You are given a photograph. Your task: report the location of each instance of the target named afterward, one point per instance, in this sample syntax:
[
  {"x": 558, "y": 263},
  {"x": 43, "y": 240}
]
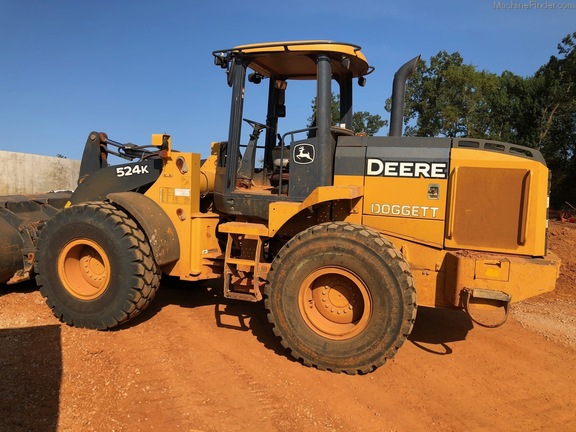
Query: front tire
[
  {"x": 341, "y": 298},
  {"x": 95, "y": 267}
]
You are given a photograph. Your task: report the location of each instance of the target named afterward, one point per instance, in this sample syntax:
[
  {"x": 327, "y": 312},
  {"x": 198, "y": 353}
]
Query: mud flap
[{"x": 493, "y": 296}]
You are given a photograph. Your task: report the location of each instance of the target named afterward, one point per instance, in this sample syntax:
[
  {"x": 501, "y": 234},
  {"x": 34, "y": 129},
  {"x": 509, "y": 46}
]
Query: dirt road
[{"x": 197, "y": 362}]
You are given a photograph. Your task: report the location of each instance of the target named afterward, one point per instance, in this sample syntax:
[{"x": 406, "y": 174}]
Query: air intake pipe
[{"x": 398, "y": 93}]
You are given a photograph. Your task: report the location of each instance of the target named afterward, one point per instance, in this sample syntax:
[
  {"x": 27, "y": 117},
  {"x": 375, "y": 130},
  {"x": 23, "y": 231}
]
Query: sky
[{"x": 131, "y": 68}]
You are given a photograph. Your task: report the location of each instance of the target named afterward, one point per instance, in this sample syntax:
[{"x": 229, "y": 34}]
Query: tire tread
[
  {"x": 145, "y": 272},
  {"x": 401, "y": 271}
]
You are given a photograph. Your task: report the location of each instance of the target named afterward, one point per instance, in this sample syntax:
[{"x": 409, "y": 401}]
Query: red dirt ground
[{"x": 195, "y": 361}]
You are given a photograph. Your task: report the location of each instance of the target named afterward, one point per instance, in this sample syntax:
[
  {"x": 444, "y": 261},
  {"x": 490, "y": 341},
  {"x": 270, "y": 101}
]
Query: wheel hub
[
  {"x": 84, "y": 269},
  {"x": 336, "y": 299},
  {"x": 92, "y": 265},
  {"x": 335, "y": 303}
]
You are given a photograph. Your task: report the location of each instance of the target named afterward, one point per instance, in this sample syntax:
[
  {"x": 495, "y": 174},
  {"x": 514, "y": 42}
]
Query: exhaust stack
[{"x": 398, "y": 93}]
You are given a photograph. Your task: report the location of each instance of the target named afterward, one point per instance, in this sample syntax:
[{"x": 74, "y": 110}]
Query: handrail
[
  {"x": 452, "y": 192},
  {"x": 523, "y": 228}
]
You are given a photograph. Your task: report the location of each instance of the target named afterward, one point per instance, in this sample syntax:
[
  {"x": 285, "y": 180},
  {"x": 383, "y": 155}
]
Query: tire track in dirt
[{"x": 191, "y": 381}]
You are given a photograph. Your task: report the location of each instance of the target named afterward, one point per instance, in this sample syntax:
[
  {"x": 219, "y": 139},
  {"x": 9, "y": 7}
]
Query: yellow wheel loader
[{"x": 341, "y": 235}]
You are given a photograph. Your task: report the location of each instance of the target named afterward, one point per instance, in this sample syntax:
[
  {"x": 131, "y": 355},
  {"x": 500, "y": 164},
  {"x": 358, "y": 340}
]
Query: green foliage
[
  {"x": 362, "y": 121},
  {"x": 335, "y": 111},
  {"x": 556, "y": 119},
  {"x": 453, "y": 99}
]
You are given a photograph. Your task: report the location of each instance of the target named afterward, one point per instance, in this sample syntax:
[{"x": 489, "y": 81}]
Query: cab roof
[{"x": 297, "y": 59}]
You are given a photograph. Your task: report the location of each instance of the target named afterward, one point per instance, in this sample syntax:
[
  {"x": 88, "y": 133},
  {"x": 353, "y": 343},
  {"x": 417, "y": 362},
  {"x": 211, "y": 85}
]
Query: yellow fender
[
  {"x": 281, "y": 211},
  {"x": 155, "y": 223}
]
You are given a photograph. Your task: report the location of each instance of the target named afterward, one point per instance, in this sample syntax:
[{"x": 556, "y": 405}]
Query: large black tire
[
  {"x": 95, "y": 267},
  {"x": 341, "y": 298}
]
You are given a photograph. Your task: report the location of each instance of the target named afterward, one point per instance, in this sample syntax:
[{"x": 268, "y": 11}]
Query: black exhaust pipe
[{"x": 398, "y": 93}]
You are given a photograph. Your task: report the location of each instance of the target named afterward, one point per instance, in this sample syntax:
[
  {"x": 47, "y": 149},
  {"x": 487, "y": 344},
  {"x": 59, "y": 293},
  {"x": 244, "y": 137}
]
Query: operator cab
[{"x": 293, "y": 162}]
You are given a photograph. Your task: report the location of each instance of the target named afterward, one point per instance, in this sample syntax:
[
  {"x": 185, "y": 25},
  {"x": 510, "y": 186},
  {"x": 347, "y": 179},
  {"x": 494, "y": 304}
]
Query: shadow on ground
[
  {"x": 30, "y": 378},
  {"x": 434, "y": 329}
]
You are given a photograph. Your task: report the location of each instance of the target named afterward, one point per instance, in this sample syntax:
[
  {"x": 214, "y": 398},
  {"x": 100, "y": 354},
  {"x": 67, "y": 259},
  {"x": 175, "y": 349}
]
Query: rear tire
[
  {"x": 95, "y": 267},
  {"x": 341, "y": 298}
]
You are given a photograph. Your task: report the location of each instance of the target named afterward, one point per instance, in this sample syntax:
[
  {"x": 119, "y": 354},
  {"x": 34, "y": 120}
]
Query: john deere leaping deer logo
[{"x": 303, "y": 154}]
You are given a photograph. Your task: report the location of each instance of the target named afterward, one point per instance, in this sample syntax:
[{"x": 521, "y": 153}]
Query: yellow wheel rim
[
  {"x": 335, "y": 303},
  {"x": 84, "y": 269}
]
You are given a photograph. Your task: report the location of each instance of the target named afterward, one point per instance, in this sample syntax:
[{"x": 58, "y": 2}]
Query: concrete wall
[{"x": 22, "y": 173}]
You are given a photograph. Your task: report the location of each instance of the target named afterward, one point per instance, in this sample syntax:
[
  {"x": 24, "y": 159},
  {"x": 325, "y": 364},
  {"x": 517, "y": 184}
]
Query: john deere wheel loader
[{"x": 341, "y": 235}]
